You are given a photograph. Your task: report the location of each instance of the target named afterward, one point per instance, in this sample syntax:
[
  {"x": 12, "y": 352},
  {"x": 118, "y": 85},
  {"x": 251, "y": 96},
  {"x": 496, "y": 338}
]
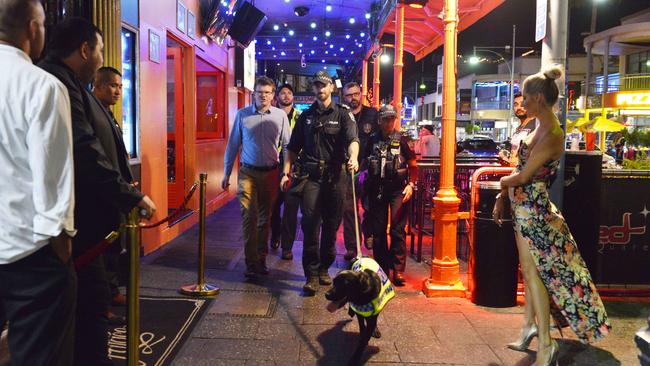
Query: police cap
[
  {"x": 322, "y": 77},
  {"x": 387, "y": 111}
]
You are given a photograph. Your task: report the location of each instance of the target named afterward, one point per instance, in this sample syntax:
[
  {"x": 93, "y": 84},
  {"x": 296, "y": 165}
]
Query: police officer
[
  {"x": 392, "y": 172},
  {"x": 284, "y": 222},
  {"x": 366, "y": 118},
  {"x": 322, "y": 136}
]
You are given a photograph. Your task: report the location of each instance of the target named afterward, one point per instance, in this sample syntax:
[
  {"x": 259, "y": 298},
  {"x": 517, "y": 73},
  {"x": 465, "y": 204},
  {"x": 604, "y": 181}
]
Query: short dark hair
[
  {"x": 265, "y": 81},
  {"x": 105, "y": 73},
  {"x": 14, "y": 16},
  {"x": 286, "y": 86},
  {"x": 351, "y": 84},
  {"x": 70, "y": 34},
  {"x": 517, "y": 95}
]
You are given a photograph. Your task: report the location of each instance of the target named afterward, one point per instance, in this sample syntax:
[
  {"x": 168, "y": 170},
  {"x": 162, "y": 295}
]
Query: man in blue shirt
[{"x": 258, "y": 129}]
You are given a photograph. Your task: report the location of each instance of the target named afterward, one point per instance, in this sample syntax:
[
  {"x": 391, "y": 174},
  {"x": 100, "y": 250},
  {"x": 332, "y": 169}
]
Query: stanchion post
[
  {"x": 201, "y": 288},
  {"x": 133, "y": 289}
]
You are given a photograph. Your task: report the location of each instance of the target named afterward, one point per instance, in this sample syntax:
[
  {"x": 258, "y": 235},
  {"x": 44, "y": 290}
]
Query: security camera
[{"x": 301, "y": 11}]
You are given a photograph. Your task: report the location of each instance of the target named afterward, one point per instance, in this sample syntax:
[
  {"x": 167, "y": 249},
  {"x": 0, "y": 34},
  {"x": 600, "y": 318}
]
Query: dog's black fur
[{"x": 358, "y": 288}]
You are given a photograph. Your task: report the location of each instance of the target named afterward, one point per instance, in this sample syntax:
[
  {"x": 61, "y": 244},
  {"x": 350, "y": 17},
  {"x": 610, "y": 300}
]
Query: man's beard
[
  {"x": 354, "y": 104},
  {"x": 322, "y": 96},
  {"x": 284, "y": 104},
  {"x": 521, "y": 116}
]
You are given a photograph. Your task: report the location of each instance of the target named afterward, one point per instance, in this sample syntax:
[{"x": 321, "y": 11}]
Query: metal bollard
[
  {"x": 201, "y": 288},
  {"x": 133, "y": 289}
]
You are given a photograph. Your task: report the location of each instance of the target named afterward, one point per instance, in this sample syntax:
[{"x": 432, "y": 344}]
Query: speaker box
[
  {"x": 248, "y": 21},
  {"x": 581, "y": 206}
]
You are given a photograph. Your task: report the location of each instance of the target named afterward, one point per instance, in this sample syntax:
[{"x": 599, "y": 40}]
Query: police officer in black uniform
[
  {"x": 366, "y": 118},
  {"x": 392, "y": 172},
  {"x": 322, "y": 136}
]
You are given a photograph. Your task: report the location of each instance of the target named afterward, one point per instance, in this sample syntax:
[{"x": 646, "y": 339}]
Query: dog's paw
[{"x": 376, "y": 333}]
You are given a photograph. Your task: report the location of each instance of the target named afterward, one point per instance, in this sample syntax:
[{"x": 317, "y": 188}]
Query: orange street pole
[
  {"x": 398, "y": 64},
  {"x": 445, "y": 276},
  {"x": 377, "y": 83},
  {"x": 364, "y": 82}
]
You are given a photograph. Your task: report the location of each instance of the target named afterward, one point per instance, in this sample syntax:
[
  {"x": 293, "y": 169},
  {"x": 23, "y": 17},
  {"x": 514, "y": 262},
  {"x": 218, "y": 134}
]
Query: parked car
[{"x": 477, "y": 146}]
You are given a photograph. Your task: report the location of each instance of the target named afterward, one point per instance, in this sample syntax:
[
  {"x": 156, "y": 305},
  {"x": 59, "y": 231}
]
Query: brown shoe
[
  {"x": 311, "y": 286},
  {"x": 115, "y": 319},
  {"x": 324, "y": 279},
  {"x": 287, "y": 255},
  {"x": 119, "y": 300}
]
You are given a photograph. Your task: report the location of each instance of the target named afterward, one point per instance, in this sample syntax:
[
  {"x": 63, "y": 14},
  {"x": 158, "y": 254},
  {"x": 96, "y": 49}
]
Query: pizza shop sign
[{"x": 627, "y": 99}]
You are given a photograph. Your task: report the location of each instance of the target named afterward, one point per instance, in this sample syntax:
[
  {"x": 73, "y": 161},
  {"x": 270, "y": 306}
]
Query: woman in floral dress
[{"x": 554, "y": 272}]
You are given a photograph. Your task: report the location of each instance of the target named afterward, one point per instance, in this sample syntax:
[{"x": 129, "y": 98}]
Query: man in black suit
[
  {"x": 107, "y": 87},
  {"x": 102, "y": 193}
]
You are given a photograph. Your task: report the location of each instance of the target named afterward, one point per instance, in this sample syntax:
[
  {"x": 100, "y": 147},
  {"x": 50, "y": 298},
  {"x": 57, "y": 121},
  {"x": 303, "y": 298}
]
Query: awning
[{"x": 424, "y": 28}]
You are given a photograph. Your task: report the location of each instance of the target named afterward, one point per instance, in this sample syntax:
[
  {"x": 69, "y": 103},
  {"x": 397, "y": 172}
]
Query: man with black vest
[
  {"x": 366, "y": 118},
  {"x": 325, "y": 136}
]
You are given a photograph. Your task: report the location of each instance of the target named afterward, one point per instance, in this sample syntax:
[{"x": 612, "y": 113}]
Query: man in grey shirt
[{"x": 258, "y": 129}]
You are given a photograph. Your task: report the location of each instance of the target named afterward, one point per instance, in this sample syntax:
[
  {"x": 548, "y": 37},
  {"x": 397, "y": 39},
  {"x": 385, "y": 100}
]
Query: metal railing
[
  {"x": 620, "y": 83},
  {"x": 501, "y": 105}
]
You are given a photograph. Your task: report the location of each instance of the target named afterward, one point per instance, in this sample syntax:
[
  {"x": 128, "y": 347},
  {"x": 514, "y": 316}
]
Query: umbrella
[
  {"x": 598, "y": 124},
  {"x": 602, "y": 124},
  {"x": 577, "y": 123}
]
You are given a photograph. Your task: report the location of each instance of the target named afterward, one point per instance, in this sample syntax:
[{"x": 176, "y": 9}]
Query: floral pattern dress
[{"x": 573, "y": 295}]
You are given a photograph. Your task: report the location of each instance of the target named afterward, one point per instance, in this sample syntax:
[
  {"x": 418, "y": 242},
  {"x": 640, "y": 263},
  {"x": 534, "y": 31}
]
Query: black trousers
[
  {"x": 37, "y": 297},
  {"x": 322, "y": 208},
  {"x": 285, "y": 223},
  {"x": 376, "y": 222},
  {"x": 348, "y": 213}
]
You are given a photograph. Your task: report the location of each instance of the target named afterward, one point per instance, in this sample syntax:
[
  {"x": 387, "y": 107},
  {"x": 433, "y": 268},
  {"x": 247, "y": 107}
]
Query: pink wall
[{"x": 160, "y": 17}]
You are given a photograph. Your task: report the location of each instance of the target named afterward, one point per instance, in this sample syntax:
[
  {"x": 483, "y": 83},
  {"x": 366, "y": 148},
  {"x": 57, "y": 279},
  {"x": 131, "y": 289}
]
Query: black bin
[{"x": 494, "y": 268}]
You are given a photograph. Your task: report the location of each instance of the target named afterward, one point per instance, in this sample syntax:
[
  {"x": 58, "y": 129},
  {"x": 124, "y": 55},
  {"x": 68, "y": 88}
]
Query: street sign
[{"x": 540, "y": 20}]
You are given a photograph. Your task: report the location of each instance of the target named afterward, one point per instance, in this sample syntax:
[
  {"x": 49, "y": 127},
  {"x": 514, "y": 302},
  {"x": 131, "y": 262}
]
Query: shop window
[
  {"x": 210, "y": 102},
  {"x": 129, "y": 92}
]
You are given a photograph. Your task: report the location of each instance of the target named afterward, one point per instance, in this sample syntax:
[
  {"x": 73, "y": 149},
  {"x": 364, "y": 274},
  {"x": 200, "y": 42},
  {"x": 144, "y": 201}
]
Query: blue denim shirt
[{"x": 259, "y": 135}]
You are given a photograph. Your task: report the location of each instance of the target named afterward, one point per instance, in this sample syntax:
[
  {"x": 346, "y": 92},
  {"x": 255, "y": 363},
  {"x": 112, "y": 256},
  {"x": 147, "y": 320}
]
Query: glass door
[{"x": 175, "y": 126}]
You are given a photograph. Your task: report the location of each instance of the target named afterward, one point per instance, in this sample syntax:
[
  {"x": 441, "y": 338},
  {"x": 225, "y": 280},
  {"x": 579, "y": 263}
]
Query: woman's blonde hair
[{"x": 544, "y": 82}]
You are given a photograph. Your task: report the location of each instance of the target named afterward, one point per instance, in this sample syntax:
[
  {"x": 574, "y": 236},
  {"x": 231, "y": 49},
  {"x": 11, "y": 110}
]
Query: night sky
[{"x": 495, "y": 29}]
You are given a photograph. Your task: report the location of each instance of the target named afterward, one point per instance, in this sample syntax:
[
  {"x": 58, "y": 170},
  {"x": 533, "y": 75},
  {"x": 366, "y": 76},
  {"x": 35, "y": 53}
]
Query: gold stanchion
[
  {"x": 201, "y": 288},
  {"x": 133, "y": 289}
]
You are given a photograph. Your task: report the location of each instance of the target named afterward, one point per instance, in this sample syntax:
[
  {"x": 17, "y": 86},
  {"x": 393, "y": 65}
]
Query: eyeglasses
[
  {"x": 258, "y": 92},
  {"x": 352, "y": 95}
]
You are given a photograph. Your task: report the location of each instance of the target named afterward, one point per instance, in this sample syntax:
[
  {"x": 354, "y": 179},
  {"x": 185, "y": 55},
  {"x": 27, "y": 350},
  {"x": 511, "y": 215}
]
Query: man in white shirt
[{"x": 38, "y": 285}]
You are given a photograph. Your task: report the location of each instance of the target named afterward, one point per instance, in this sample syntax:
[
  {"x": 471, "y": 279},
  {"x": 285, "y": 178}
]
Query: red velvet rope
[{"x": 178, "y": 212}]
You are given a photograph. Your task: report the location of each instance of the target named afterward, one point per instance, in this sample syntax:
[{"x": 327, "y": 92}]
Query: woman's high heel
[
  {"x": 527, "y": 336},
  {"x": 553, "y": 358}
]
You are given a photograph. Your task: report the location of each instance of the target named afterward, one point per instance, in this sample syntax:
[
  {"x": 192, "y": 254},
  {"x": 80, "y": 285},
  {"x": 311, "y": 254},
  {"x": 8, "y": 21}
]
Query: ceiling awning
[{"x": 424, "y": 28}]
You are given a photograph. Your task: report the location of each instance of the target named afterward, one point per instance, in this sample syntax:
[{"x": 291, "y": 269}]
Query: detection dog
[{"x": 367, "y": 290}]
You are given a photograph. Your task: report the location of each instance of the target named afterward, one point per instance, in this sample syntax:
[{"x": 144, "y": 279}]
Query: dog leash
[{"x": 356, "y": 216}]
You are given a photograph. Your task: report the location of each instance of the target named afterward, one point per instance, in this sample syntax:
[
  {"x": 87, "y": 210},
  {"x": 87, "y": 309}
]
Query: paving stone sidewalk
[{"x": 269, "y": 322}]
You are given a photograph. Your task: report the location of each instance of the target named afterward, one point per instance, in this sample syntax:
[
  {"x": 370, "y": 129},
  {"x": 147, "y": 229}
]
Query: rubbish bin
[{"x": 494, "y": 268}]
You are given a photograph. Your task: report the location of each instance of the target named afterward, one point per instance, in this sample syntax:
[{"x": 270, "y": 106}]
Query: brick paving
[{"x": 269, "y": 322}]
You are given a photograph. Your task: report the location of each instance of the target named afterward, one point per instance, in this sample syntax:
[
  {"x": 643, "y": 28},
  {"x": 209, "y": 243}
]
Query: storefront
[
  {"x": 186, "y": 100},
  {"x": 632, "y": 107}
]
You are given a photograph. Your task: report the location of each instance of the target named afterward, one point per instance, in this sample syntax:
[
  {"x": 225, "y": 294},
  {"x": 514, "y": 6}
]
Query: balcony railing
[
  {"x": 620, "y": 83},
  {"x": 503, "y": 104},
  {"x": 616, "y": 83}
]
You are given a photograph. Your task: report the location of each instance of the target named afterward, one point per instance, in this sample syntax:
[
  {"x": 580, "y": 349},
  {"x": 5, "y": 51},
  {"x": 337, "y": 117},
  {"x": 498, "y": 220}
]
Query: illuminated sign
[{"x": 627, "y": 99}]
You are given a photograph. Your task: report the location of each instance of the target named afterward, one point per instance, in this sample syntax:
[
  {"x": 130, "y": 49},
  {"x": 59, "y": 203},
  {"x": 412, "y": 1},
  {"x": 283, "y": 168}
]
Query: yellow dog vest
[{"x": 386, "y": 293}]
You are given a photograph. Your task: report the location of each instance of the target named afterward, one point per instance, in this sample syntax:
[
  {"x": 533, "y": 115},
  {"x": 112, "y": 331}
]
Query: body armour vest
[{"x": 386, "y": 161}]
